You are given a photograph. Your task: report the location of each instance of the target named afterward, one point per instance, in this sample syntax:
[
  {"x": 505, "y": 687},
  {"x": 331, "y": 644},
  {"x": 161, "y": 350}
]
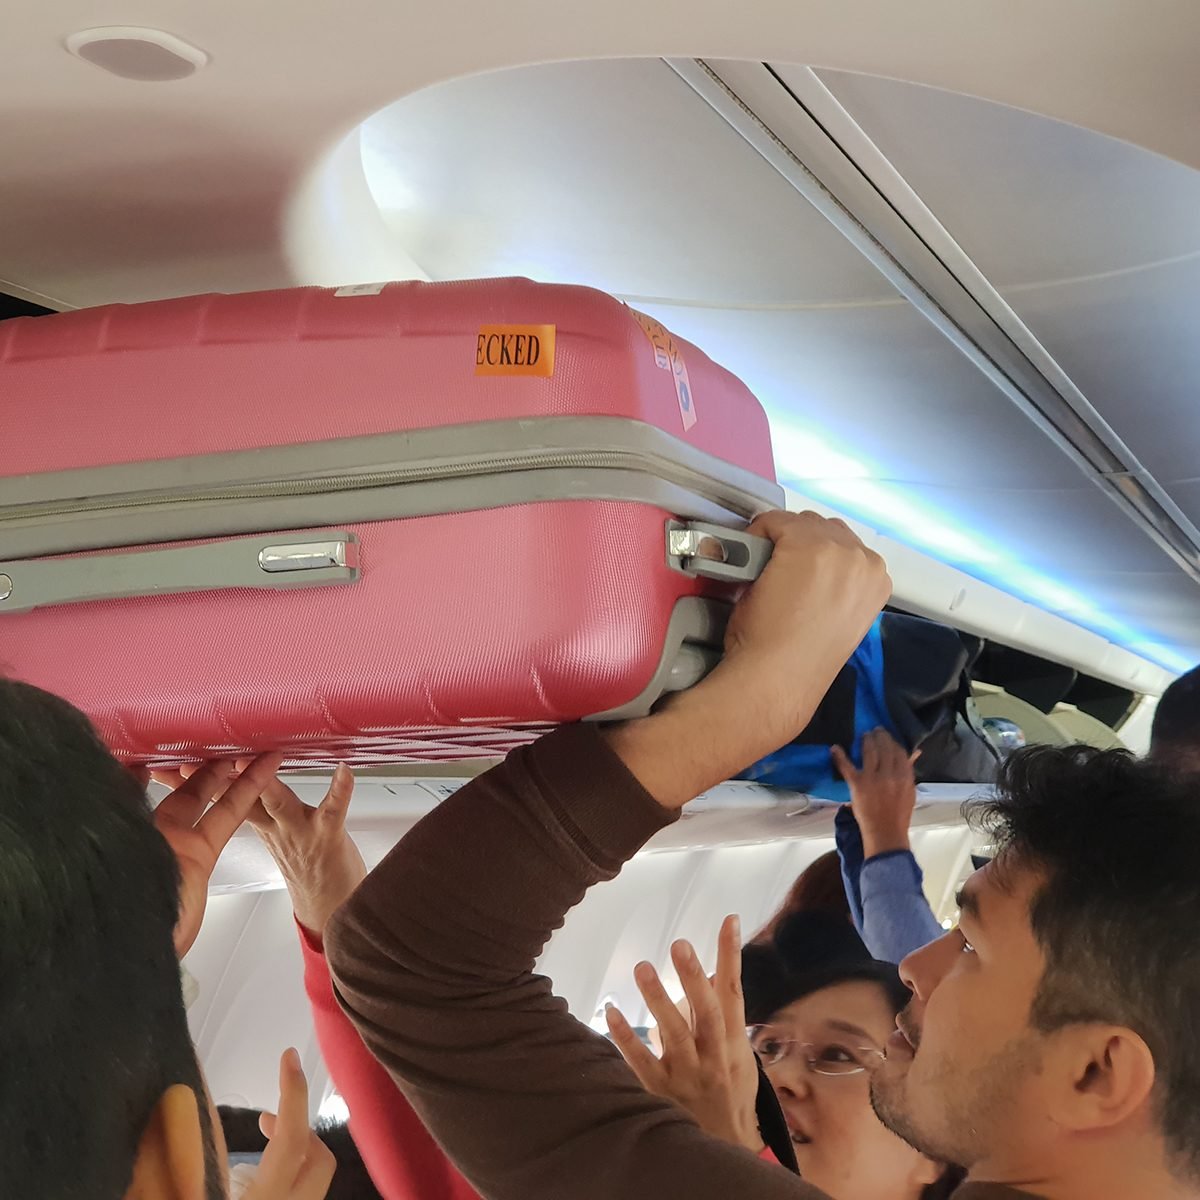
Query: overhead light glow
[
  {"x": 1052, "y": 596},
  {"x": 334, "y": 1108},
  {"x": 806, "y": 461},
  {"x": 887, "y": 508},
  {"x": 1172, "y": 660},
  {"x": 807, "y": 454}
]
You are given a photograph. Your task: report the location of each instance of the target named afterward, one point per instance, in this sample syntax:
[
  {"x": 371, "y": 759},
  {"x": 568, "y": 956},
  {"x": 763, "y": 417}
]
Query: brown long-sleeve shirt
[{"x": 433, "y": 959}]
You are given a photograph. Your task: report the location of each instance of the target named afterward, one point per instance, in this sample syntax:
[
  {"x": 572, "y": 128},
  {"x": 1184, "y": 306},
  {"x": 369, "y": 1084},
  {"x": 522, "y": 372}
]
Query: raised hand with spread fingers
[
  {"x": 707, "y": 1065},
  {"x": 207, "y": 806},
  {"x": 883, "y": 792},
  {"x": 318, "y": 859}
]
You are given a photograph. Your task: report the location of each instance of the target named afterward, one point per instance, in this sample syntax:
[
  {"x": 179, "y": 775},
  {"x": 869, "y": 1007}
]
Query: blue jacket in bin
[
  {"x": 911, "y": 677},
  {"x": 887, "y": 899},
  {"x": 854, "y": 705}
]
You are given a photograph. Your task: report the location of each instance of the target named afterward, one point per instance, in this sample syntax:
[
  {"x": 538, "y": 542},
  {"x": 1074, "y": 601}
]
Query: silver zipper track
[{"x": 478, "y": 467}]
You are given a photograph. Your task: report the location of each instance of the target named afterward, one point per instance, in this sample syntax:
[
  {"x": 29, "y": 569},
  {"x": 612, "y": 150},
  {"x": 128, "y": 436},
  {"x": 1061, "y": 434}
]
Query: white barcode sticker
[{"x": 361, "y": 289}]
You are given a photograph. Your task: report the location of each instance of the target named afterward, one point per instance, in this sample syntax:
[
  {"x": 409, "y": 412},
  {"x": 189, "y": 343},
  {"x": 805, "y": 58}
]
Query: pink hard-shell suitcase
[{"x": 383, "y": 524}]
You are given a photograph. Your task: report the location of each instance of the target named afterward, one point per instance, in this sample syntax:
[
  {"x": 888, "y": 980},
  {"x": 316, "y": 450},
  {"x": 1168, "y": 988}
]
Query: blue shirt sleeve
[
  {"x": 897, "y": 918},
  {"x": 887, "y": 902},
  {"x": 850, "y": 852}
]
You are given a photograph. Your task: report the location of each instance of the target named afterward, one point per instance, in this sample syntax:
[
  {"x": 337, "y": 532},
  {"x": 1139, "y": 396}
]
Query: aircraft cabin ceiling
[
  {"x": 874, "y": 409},
  {"x": 964, "y": 312}
]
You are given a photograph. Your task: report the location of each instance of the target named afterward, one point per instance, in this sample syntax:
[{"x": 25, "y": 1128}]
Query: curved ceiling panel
[
  {"x": 604, "y": 172},
  {"x": 1094, "y": 243},
  {"x": 1032, "y": 200},
  {"x": 877, "y": 415},
  {"x": 1130, "y": 342},
  {"x": 884, "y": 390}
]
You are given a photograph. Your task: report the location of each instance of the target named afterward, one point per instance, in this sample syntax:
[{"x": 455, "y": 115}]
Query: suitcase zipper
[{"x": 479, "y": 467}]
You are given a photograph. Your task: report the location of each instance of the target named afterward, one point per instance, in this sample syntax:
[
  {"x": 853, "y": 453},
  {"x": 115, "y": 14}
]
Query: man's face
[{"x": 961, "y": 1080}]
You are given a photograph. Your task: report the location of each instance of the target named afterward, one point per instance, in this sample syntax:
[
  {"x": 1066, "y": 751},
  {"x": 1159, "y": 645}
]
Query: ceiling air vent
[{"x": 147, "y": 55}]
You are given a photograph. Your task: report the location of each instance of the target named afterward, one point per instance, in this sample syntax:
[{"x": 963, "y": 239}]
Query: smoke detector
[{"x": 130, "y": 52}]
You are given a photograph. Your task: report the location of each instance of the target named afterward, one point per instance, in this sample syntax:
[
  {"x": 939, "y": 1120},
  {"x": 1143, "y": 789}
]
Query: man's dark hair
[
  {"x": 1118, "y": 841},
  {"x": 93, "y": 1029},
  {"x": 350, "y": 1181},
  {"x": 1175, "y": 733}
]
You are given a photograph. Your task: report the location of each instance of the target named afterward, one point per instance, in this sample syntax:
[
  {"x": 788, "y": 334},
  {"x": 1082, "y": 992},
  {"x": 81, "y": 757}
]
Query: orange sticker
[
  {"x": 669, "y": 357},
  {"x": 515, "y": 350}
]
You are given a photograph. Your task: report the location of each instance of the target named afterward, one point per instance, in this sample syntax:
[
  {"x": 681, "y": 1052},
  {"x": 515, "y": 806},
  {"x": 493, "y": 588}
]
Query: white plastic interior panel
[
  {"x": 251, "y": 1004},
  {"x": 933, "y": 589},
  {"x": 1135, "y": 729},
  {"x": 1039, "y": 730},
  {"x": 247, "y": 960}
]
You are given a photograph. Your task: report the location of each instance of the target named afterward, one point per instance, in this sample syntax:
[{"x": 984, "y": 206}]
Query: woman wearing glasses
[{"x": 818, "y": 1011}]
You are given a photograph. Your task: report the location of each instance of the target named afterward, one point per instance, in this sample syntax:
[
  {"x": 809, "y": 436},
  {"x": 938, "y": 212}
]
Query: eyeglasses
[{"x": 822, "y": 1058}]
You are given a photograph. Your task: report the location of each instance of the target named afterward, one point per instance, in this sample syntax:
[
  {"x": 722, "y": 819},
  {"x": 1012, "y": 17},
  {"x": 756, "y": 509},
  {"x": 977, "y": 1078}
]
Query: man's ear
[
  {"x": 1110, "y": 1072},
  {"x": 170, "y": 1158}
]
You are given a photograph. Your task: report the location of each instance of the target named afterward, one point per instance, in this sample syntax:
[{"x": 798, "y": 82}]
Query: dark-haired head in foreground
[
  {"x": 1052, "y": 1037},
  {"x": 98, "y": 1066},
  {"x": 1175, "y": 734}
]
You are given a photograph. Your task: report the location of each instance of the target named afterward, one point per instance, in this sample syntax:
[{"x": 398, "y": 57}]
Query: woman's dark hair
[
  {"x": 811, "y": 951},
  {"x": 818, "y": 888},
  {"x": 93, "y": 1029}
]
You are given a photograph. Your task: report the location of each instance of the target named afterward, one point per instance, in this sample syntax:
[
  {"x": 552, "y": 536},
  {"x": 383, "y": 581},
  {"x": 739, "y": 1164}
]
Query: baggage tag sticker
[
  {"x": 515, "y": 350},
  {"x": 669, "y": 357}
]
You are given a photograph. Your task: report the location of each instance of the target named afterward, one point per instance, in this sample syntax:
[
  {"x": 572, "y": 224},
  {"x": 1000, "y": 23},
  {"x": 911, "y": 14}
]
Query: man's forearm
[{"x": 713, "y": 732}]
